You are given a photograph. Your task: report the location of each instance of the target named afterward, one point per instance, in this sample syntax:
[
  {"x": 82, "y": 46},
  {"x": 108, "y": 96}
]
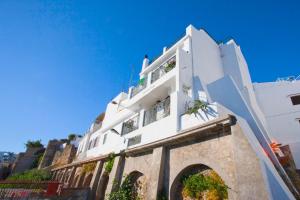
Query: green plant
[
  {"x": 170, "y": 66},
  {"x": 37, "y": 160},
  {"x": 109, "y": 163},
  {"x": 89, "y": 167},
  {"x": 31, "y": 175},
  {"x": 33, "y": 144},
  {"x": 162, "y": 195},
  {"x": 124, "y": 192},
  {"x": 199, "y": 185},
  {"x": 197, "y": 105},
  {"x": 71, "y": 137}
]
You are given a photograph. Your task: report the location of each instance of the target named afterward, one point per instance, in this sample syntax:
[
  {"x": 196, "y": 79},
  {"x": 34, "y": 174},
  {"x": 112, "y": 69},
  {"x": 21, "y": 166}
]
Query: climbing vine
[
  {"x": 109, "y": 163},
  {"x": 199, "y": 186},
  {"x": 125, "y": 192}
]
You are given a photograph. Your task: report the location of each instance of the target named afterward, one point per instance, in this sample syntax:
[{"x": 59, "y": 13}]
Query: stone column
[
  {"x": 61, "y": 179},
  {"x": 95, "y": 179},
  {"x": 155, "y": 184},
  {"x": 115, "y": 175},
  {"x": 71, "y": 177}
]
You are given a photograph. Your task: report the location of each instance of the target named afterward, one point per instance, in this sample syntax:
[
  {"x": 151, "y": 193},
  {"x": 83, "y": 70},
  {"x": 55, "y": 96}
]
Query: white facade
[{"x": 213, "y": 73}]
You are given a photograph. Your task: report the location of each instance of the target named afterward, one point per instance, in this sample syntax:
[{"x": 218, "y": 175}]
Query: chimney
[
  {"x": 165, "y": 49},
  {"x": 145, "y": 62}
]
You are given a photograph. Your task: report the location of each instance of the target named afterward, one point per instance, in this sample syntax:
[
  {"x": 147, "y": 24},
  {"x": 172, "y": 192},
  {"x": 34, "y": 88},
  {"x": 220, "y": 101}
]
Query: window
[
  {"x": 134, "y": 140},
  {"x": 90, "y": 144},
  {"x": 104, "y": 139},
  {"x": 130, "y": 125},
  {"x": 96, "y": 142},
  {"x": 295, "y": 100}
]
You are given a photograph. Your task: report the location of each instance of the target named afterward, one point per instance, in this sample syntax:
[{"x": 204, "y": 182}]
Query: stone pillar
[
  {"x": 95, "y": 179},
  {"x": 115, "y": 175},
  {"x": 155, "y": 184},
  {"x": 61, "y": 179},
  {"x": 71, "y": 177},
  {"x": 53, "y": 175}
]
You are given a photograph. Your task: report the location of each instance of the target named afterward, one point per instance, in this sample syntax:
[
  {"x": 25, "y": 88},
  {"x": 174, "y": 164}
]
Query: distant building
[{"x": 7, "y": 157}]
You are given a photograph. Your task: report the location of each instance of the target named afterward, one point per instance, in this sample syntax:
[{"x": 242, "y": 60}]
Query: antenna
[{"x": 131, "y": 76}]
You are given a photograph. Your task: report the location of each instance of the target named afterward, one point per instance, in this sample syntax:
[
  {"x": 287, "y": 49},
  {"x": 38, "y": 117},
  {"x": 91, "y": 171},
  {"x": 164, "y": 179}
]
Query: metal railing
[
  {"x": 27, "y": 189},
  {"x": 130, "y": 125},
  {"x": 158, "y": 111},
  {"x": 289, "y": 78},
  {"x": 163, "y": 69},
  {"x": 141, "y": 85}
]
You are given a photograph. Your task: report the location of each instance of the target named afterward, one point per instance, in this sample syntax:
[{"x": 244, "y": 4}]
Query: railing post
[{"x": 130, "y": 92}]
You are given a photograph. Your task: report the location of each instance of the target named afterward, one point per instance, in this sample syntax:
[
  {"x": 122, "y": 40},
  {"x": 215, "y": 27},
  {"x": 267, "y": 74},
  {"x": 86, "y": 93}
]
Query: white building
[{"x": 198, "y": 68}]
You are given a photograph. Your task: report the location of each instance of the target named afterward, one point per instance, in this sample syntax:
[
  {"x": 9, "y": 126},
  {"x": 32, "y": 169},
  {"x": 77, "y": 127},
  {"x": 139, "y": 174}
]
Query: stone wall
[
  {"x": 65, "y": 156},
  {"x": 160, "y": 167},
  {"x": 25, "y": 160},
  {"x": 52, "y": 147}
]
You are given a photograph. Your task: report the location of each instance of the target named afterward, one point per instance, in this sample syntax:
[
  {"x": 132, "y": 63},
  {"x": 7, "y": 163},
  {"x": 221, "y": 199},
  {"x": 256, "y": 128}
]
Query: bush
[
  {"x": 31, "y": 175},
  {"x": 33, "y": 144},
  {"x": 124, "y": 192},
  {"x": 198, "y": 185},
  {"x": 198, "y": 104}
]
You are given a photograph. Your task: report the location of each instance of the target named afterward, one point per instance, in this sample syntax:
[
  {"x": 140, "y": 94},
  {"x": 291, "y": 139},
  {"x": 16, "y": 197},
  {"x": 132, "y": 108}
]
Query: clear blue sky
[{"x": 62, "y": 61}]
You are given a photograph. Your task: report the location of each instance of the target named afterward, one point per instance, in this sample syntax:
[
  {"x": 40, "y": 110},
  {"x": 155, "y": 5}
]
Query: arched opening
[
  {"x": 75, "y": 181},
  {"x": 81, "y": 179},
  {"x": 87, "y": 180},
  {"x": 197, "y": 182},
  {"x": 138, "y": 184},
  {"x": 66, "y": 177}
]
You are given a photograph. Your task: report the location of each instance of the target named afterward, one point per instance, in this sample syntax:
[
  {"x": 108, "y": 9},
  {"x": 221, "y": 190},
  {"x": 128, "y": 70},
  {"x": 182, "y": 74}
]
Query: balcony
[
  {"x": 130, "y": 125},
  {"x": 141, "y": 85},
  {"x": 158, "y": 111},
  {"x": 163, "y": 69},
  {"x": 155, "y": 75}
]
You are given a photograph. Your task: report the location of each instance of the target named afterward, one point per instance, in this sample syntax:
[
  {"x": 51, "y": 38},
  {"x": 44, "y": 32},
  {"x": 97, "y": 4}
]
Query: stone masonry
[{"x": 219, "y": 146}]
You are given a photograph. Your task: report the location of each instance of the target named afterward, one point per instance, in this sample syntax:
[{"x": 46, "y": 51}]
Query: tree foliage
[{"x": 33, "y": 144}]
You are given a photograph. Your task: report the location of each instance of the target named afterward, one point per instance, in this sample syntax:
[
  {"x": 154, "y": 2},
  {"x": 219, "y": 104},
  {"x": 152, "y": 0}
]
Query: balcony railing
[
  {"x": 158, "y": 111},
  {"x": 130, "y": 125},
  {"x": 141, "y": 85},
  {"x": 163, "y": 69}
]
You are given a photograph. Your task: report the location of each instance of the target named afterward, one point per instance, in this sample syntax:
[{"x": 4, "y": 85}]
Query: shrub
[
  {"x": 31, "y": 175},
  {"x": 211, "y": 186},
  {"x": 198, "y": 104},
  {"x": 33, "y": 144},
  {"x": 89, "y": 167},
  {"x": 124, "y": 192}
]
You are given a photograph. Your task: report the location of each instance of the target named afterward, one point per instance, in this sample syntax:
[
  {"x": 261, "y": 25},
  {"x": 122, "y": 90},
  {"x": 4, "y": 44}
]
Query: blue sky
[{"x": 62, "y": 61}]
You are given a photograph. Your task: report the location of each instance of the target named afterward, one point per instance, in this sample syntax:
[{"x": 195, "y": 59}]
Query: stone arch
[
  {"x": 87, "y": 180},
  {"x": 177, "y": 186},
  {"x": 81, "y": 180},
  {"x": 76, "y": 179},
  {"x": 139, "y": 184},
  {"x": 66, "y": 176}
]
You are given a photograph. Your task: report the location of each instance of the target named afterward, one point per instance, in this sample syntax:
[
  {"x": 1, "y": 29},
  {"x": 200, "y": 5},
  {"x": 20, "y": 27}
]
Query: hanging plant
[
  {"x": 197, "y": 105},
  {"x": 109, "y": 163}
]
